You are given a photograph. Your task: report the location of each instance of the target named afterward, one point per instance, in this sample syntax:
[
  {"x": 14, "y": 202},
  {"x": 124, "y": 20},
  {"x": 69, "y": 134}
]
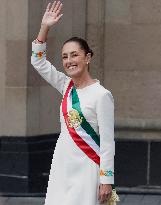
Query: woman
[{"x": 82, "y": 170}]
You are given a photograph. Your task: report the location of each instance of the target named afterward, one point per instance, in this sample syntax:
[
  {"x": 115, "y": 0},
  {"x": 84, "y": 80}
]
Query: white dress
[{"x": 74, "y": 178}]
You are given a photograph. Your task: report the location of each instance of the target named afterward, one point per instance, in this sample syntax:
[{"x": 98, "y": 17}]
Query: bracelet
[{"x": 40, "y": 41}]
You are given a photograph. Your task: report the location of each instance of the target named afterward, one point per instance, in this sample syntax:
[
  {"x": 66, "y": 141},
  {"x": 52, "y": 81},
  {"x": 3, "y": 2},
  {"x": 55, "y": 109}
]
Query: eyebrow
[{"x": 70, "y": 53}]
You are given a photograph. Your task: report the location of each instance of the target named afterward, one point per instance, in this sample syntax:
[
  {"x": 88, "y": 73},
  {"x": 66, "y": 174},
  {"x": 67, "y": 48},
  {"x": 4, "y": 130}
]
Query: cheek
[
  {"x": 64, "y": 63},
  {"x": 82, "y": 61}
]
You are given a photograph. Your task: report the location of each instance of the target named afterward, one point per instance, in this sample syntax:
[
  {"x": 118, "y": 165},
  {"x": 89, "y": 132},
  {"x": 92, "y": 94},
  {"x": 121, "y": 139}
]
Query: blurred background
[{"x": 125, "y": 36}]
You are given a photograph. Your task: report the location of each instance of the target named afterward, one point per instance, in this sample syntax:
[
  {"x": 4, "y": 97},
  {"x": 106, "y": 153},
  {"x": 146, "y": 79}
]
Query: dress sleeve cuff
[
  {"x": 106, "y": 176},
  {"x": 38, "y": 50},
  {"x": 36, "y": 47}
]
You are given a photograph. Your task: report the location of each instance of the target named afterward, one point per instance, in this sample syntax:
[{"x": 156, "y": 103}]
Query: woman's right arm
[{"x": 38, "y": 59}]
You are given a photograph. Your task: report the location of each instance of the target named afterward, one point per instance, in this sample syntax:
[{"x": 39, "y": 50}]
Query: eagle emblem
[{"x": 74, "y": 119}]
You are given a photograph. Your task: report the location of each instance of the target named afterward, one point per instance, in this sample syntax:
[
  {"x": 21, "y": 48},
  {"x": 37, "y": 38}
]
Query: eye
[
  {"x": 74, "y": 55},
  {"x": 64, "y": 57}
]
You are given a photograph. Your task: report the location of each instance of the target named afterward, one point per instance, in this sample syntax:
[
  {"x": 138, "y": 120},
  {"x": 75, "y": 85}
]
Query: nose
[{"x": 69, "y": 59}]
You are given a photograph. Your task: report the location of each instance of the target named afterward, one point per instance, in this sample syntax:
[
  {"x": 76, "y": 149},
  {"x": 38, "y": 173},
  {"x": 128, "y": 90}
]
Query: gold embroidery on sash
[{"x": 74, "y": 119}]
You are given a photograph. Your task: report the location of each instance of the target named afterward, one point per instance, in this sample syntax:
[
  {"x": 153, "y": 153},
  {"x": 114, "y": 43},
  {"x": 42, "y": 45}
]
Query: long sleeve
[
  {"x": 105, "y": 117},
  {"x": 38, "y": 59}
]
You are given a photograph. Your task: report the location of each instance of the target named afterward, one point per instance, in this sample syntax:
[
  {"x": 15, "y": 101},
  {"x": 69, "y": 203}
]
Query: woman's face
[{"x": 75, "y": 61}]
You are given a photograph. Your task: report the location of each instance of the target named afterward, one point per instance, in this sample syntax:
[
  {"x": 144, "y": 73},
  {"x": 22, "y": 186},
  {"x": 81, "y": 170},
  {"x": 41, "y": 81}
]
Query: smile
[{"x": 72, "y": 67}]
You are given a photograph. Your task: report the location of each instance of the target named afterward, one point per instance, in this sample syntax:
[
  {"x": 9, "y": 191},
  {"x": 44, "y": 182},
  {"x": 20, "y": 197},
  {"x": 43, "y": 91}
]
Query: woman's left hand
[{"x": 105, "y": 191}]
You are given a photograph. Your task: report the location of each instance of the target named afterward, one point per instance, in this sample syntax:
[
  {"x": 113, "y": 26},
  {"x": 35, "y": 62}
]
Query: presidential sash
[{"x": 79, "y": 129}]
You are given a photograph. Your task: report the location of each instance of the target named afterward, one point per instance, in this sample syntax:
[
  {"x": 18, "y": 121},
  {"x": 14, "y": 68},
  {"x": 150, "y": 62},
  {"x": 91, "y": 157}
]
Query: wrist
[
  {"x": 45, "y": 27},
  {"x": 39, "y": 41},
  {"x": 106, "y": 184}
]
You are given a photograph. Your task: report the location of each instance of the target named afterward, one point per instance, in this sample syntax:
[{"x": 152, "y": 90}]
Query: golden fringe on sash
[{"x": 114, "y": 198}]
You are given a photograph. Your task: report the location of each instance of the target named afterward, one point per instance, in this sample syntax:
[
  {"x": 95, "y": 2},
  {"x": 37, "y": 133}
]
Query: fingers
[
  {"x": 58, "y": 17},
  {"x": 104, "y": 198},
  {"x": 53, "y": 6},
  {"x": 48, "y": 7},
  {"x": 104, "y": 194},
  {"x": 59, "y": 9},
  {"x": 56, "y": 6}
]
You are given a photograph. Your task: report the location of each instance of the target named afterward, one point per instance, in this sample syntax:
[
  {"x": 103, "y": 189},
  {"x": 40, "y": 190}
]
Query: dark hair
[{"x": 83, "y": 44}]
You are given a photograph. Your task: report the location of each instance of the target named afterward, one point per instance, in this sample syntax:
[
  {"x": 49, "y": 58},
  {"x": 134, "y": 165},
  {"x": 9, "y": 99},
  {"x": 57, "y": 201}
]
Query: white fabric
[{"x": 74, "y": 178}]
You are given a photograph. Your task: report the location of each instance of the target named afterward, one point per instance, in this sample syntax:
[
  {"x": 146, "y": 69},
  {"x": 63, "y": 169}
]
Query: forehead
[{"x": 71, "y": 47}]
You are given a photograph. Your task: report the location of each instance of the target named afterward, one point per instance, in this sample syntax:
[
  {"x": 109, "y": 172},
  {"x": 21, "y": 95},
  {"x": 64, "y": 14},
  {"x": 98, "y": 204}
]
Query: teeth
[{"x": 72, "y": 67}]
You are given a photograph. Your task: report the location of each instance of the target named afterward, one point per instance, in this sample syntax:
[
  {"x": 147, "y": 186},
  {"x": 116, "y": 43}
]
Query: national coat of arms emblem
[{"x": 74, "y": 119}]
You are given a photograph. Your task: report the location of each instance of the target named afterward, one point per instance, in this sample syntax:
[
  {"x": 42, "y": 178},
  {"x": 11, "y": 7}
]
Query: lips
[{"x": 72, "y": 67}]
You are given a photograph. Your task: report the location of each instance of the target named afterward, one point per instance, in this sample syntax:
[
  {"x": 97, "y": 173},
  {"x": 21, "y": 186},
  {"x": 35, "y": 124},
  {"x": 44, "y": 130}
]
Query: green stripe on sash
[{"x": 85, "y": 125}]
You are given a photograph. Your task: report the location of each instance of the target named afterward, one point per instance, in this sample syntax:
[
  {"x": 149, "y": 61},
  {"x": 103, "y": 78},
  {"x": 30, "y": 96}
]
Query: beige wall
[
  {"x": 132, "y": 63},
  {"x": 128, "y": 61},
  {"x": 127, "y": 46},
  {"x": 2, "y": 65},
  {"x": 13, "y": 66}
]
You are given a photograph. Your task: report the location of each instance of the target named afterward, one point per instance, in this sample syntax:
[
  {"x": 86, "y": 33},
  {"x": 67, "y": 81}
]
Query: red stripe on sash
[{"x": 77, "y": 139}]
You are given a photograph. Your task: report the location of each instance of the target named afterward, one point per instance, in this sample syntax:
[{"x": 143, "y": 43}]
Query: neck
[{"x": 83, "y": 81}]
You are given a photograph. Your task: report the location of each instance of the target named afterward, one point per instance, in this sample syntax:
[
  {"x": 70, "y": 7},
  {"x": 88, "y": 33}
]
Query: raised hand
[{"x": 52, "y": 14}]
